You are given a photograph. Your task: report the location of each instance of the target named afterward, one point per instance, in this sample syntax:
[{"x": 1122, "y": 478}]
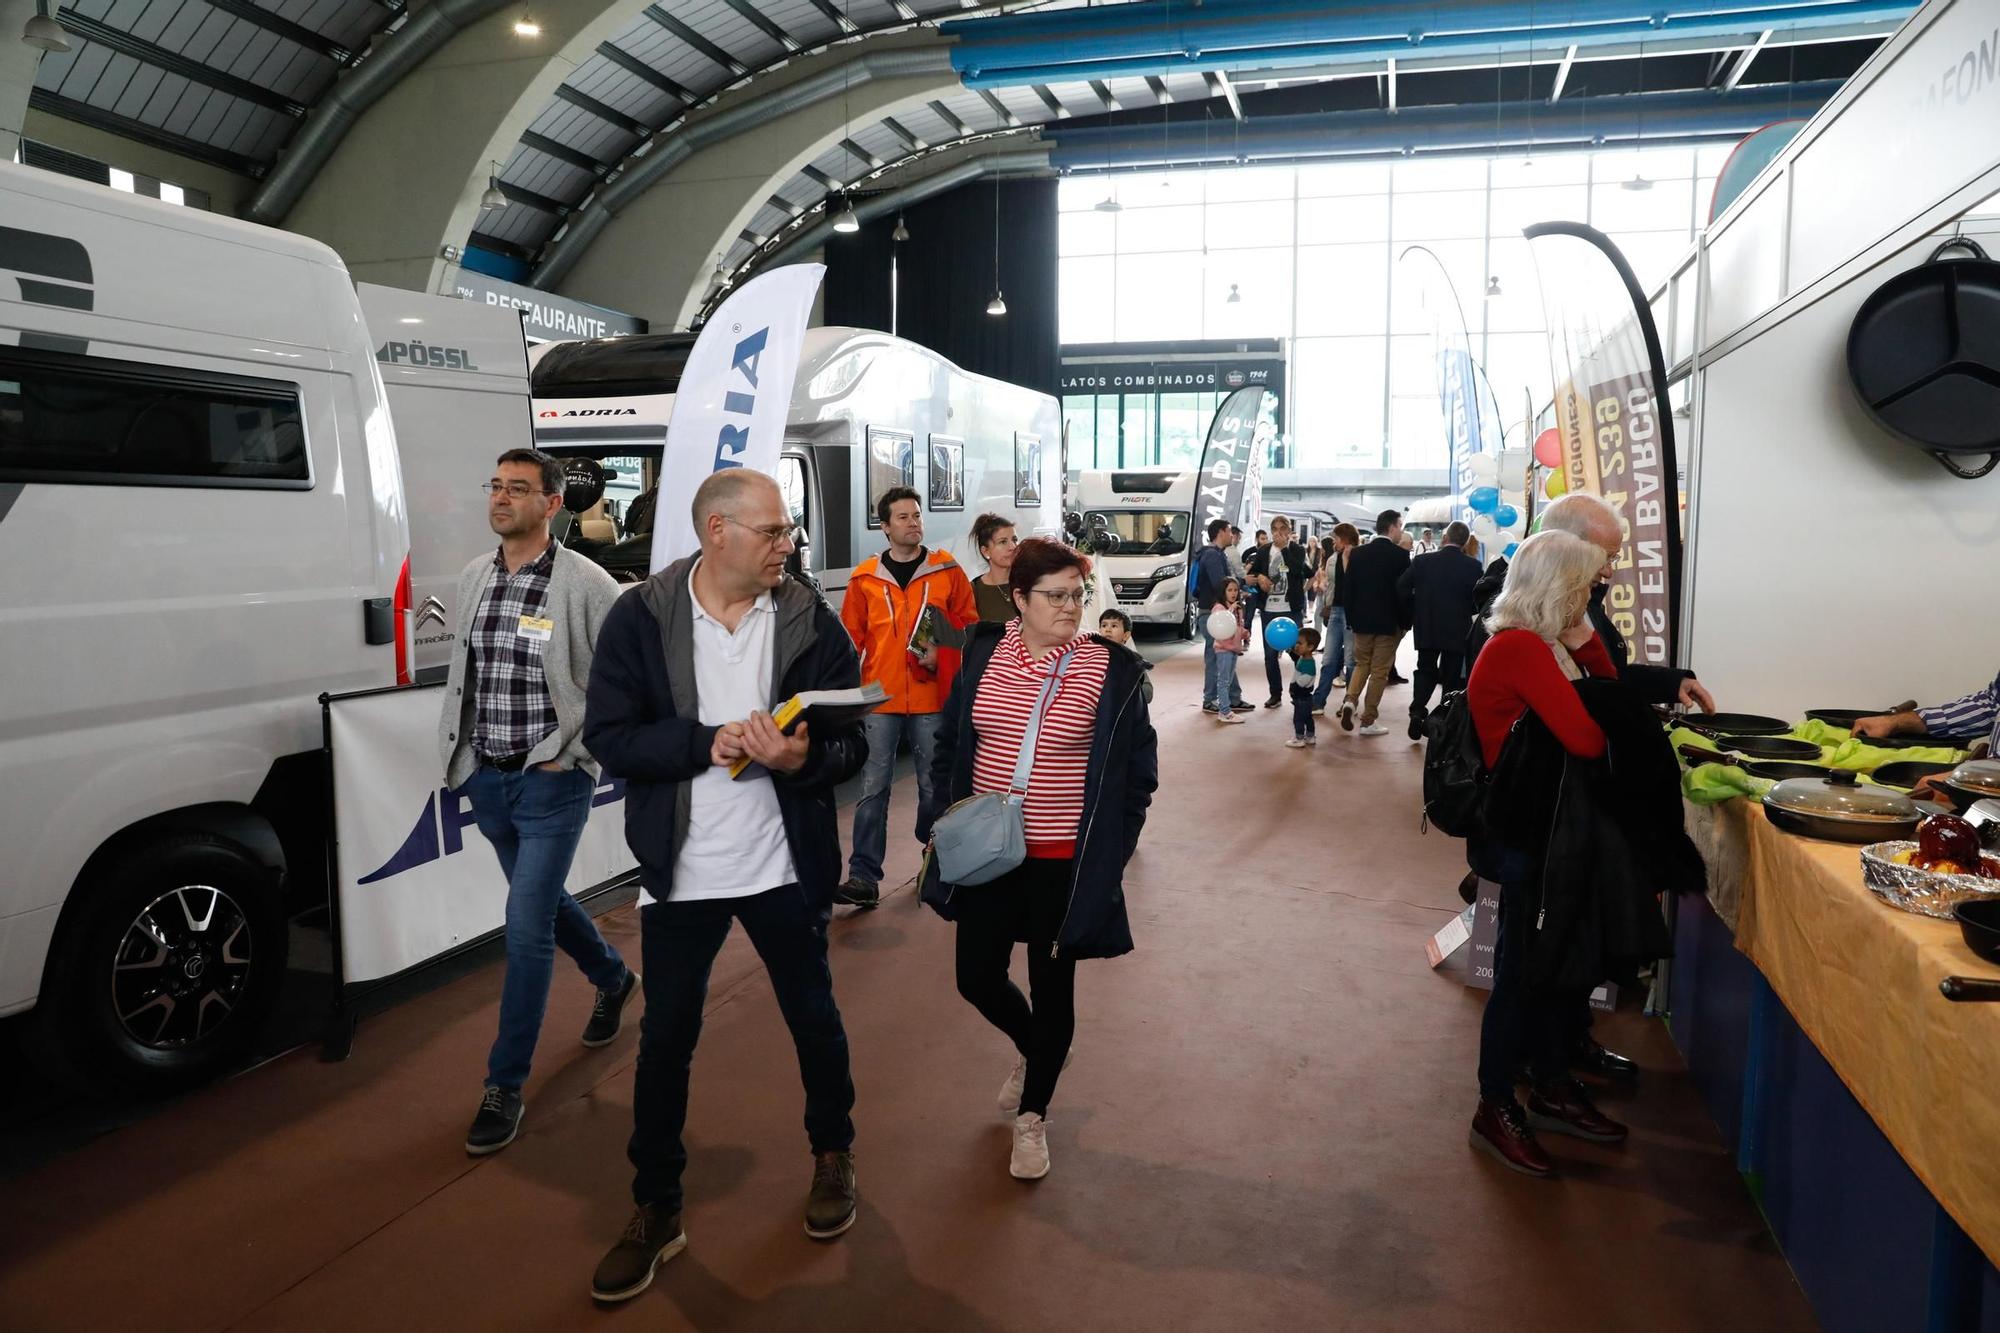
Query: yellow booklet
[{"x": 822, "y": 708}]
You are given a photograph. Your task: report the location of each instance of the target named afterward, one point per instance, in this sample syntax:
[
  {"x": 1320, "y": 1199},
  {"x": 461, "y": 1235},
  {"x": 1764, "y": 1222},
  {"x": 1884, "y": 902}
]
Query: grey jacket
[{"x": 580, "y": 596}]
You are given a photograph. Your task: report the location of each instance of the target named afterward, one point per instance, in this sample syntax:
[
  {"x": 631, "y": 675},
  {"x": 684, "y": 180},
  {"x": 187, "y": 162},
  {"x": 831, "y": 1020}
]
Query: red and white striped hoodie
[{"x": 1000, "y": 712}]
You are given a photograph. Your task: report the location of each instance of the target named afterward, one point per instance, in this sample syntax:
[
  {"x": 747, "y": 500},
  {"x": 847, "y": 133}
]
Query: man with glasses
[
  {"x": 692, "y": 662},
  {"x": 511, "y": 737},
  {"x": 887, "y": 598}
]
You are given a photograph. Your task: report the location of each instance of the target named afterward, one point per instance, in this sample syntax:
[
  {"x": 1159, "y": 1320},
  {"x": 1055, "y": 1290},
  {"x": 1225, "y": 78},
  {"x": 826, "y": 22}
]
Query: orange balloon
[{"x": 1556, "y": 485}]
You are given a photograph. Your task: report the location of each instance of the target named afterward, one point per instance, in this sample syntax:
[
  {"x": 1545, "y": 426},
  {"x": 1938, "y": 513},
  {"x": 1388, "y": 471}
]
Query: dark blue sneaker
[{"x": 498, "y": 1121}]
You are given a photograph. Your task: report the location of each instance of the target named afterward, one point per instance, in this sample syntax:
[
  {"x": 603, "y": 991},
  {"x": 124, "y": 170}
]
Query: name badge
[{"x": 535, "y": 628}]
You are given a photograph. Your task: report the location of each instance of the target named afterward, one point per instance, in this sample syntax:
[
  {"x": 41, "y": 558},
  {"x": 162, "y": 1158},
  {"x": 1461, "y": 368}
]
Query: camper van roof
[
  {"x": 638, "y": 363},
  {"x": 16, "y": 179}
]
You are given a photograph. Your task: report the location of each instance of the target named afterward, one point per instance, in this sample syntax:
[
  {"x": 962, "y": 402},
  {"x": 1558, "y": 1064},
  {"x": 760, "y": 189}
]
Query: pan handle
[
  {"x": 1969, "y": 474},
  {"x": 1970, "y": 988},
  {"x": 1959, "y": 243}
]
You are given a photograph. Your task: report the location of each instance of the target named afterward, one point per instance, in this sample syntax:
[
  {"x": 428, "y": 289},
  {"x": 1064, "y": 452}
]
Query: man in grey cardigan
[{"x": 511, "y": 737}]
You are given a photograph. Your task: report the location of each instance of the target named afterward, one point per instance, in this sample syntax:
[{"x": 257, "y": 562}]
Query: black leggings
[{"x": 1041, "y": 1033}]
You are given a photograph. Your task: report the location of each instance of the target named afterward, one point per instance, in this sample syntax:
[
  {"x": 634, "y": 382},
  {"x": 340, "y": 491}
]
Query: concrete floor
[{"x": 1264, "y": 1128}]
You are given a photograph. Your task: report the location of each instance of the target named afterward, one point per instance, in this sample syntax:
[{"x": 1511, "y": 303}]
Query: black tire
[
  {"x": 1188, "y": 614},
  {"x": 110, "y": 1017}
]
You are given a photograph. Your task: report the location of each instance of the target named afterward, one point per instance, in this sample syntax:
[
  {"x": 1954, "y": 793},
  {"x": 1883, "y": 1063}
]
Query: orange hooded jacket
[{"x": 880, "y": 615}]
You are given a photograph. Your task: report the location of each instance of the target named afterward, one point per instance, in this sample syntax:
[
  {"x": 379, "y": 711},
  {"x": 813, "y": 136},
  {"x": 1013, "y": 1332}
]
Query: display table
[{"x": 1847, "y": 984}]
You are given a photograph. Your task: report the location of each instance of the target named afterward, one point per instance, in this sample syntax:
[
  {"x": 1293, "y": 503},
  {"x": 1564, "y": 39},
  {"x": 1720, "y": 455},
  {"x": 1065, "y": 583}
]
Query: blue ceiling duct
[
  {"x": 1152, "y": 37},
  {"x": 1625, "y": 118}
]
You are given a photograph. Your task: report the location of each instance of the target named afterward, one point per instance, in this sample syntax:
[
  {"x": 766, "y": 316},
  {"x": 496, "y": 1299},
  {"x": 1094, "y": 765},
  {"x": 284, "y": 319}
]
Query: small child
[
  {"x": 1304, "y": 732},
  {"x": 1116, "y": 626},
  {"x": 1227, "y": 650}
]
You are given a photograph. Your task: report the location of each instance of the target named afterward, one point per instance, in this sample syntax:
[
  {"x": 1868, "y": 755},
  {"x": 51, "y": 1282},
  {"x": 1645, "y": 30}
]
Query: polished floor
[{"x": 1264, "y": 1128}]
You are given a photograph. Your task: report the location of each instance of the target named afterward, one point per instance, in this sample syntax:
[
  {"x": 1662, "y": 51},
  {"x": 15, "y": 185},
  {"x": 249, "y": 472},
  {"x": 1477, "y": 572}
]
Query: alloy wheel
[{"x": 181, "y": 967}]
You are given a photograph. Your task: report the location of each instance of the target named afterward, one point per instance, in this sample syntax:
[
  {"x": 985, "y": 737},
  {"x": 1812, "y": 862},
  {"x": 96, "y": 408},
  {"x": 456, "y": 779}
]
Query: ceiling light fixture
[
  {"x": 1637, "y": 183},
  {"x": 845, "y": 222},
  {"x": 492, "y": 199},
  {"x": 525, "y": 26},
  {"x": 901, "y": 233},
  {"x": 1234, "y": 298},
  {"x": 1493, "y": 288},
  {"x": 998, "y": 305},
  {"x": 1108, "y": 204},
  {"x": 43, "y": 32}
]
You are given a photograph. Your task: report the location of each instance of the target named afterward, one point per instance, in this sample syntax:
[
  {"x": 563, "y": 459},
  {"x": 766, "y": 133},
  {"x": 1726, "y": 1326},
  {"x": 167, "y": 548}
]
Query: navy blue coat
[
  {"x": 632, "y": 727},
  {"x": 1123, "y": 774}
]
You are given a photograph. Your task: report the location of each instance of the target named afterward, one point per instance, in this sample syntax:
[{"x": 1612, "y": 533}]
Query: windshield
[{"x": 1137, "y": 531}]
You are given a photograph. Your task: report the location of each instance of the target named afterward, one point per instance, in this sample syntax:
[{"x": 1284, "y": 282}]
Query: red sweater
[{"x": 1516, "y": 671}]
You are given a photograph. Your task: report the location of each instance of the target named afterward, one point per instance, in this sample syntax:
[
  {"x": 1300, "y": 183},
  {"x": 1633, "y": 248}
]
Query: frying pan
[
  {"x": 1845, "y": 717},
  {"x": 1736, "y": 724},
  {"x": 1770, "y": 747},
  {"x": 1979, "y": 923},
  {"x": 1906, "y": 773},
  {"x": 1777, "y": 770},
  {"x": 1924, "y": 355}
]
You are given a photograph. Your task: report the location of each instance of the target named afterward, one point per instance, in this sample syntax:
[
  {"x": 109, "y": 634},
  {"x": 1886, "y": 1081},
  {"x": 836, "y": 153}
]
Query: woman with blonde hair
[{"x": 1542, "y": 641}]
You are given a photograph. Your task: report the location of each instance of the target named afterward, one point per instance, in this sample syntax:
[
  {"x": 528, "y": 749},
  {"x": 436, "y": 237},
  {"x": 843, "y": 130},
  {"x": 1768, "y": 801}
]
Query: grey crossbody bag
[{"x": 982, "y": 837}]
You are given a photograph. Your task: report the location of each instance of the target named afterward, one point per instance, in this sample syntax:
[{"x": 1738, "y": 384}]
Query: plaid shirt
[{"x": 512, "y": 711}]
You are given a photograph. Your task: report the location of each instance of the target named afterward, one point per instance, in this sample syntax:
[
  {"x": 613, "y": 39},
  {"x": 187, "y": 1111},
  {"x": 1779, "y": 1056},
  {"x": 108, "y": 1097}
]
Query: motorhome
[
  {"x": 868, "y": 412},
  {"x": 1138, "y": 526},
  {"x": 207, "y": 392}
]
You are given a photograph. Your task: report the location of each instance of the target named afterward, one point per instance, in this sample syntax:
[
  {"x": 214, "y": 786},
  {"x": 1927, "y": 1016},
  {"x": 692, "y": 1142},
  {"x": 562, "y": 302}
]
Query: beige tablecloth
[{"x": 1861, "y": 978}]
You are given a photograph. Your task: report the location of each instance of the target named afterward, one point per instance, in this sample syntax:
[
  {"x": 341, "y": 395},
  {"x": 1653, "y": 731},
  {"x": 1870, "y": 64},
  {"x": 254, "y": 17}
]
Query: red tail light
[{"x": 403, "y": 624}]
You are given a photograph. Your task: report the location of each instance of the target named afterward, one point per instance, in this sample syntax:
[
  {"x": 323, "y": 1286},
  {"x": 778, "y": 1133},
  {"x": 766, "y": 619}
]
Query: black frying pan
[
  {"x": 1770, "y": 747},
  {"x": 1845, "y": 717},
  {"x": 1777, "y": 770},
  {"x": 1906, "y": 773},
  {"x": 1924, "y": 355},
  {"x": 1979, "y": 923},
  {"x": 1735, "y": 724}
]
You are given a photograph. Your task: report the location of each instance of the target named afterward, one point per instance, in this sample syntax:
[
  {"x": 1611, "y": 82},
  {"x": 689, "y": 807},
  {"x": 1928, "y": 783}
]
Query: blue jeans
[
  {"x": 886, "y": 733},
  {"x": 681, "y": 940},
  {"x": 534, "y": 819},
  {"x": 1214, "y": 669},
  {"x": 1339, "y": 652}
]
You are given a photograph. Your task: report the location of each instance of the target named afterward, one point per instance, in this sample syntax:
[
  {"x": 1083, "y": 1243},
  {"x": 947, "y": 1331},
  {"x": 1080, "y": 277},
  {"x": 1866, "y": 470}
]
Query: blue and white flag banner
[{"x": 734, "y": 396}]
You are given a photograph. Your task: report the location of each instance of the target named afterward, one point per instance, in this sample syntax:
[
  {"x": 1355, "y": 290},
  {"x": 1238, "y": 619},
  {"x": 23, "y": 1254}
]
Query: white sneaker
[
  {"x": 1010, "y": 1091},
  {"x": 1374, "y": 729},
  {"x": 1296, "y": 743},
  {"x": 1230, "y": 719},
  {"x": 1340, "y": 682},
  {"x": 1319, "y": 710},
  {"x": 1313, "y": 739},
  {"x": 1031, "y": 1148}
]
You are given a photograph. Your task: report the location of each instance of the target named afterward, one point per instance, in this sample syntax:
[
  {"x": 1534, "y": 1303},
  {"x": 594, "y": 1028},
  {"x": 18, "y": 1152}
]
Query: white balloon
[
  {"x": 1221, "y": 624},
  {"x": 1484, "y": 528},
  {"x": 1484, "y": 469}
]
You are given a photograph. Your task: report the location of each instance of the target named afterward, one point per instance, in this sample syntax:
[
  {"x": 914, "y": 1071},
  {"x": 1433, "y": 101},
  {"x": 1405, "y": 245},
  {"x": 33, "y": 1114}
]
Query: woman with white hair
[{"x": 1542, "y": 640}]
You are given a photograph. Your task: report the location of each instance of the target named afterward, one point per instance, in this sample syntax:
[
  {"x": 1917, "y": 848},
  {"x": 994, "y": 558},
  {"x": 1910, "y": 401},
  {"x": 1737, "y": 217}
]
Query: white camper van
[
  {"x": 201, "y": 504},
  {"x": 1138, "y": 526},
  {"x": 868, "y": 412}
]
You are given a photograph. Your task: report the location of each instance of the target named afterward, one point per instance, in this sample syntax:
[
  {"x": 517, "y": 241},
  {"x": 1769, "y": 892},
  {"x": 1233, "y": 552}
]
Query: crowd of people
[{"x": 1017, "y": 714}]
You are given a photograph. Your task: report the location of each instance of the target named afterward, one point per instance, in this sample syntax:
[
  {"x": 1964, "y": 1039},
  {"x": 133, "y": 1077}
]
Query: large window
[
  {"x": 71, "y": 418},
  {"x": 1309, "y": 254}
]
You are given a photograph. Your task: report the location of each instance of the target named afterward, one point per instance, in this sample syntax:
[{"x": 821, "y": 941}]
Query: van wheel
[
  {"x": 1189, "y": 620},
  {"x": 168, "y": 969}
]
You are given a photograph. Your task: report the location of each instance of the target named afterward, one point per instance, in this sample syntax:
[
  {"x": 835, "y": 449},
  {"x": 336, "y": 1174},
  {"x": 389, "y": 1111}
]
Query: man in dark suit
[
  {"x": 1279, "y": 573},
  {"x": 1375, "y": 614},
  {"x": 1436, "y": 595}
]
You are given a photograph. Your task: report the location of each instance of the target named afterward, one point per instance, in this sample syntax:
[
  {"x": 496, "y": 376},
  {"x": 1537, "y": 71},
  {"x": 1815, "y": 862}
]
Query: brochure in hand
[
  {"x": 821, "y": 708},
  {"x": 933, "y": 630}
]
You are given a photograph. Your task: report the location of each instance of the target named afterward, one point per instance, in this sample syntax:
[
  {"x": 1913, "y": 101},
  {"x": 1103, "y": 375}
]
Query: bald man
[{"x": 689, "y": 666}]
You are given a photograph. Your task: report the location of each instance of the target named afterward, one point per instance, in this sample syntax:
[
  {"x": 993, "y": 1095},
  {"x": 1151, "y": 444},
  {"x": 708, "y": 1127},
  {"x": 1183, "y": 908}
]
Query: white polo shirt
[{"x": 736, "y": 835}]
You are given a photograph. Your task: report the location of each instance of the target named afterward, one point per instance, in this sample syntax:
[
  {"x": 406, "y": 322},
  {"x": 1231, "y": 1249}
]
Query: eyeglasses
[
  {"x": 518, "y": 490},
  {"x": 1061, "y": 597},
  {"x": 778, "y": 534}
]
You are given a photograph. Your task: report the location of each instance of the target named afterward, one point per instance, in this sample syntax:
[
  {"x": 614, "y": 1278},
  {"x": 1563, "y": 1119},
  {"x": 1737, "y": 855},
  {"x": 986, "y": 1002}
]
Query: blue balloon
[
  {"x": 1281, "y": 633},
  {"x": 1512, "y": 547},
  {"x": 1506, "y": 516},
  {"x": 1483, "y": 499}
]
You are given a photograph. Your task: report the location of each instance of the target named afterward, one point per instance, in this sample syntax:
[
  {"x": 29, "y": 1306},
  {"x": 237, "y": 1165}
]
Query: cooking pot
[
  {"x": 1973, "y": 780},
  {"x": 1979, "y": 925},
  {"x": 1924, "y": 355},
  {"x": 1841, "y": 808}
]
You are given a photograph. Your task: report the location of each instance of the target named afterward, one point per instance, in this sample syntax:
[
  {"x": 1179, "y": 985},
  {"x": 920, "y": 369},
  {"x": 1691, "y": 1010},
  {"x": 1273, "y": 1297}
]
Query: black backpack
[{"x": 1456, "y": 781}]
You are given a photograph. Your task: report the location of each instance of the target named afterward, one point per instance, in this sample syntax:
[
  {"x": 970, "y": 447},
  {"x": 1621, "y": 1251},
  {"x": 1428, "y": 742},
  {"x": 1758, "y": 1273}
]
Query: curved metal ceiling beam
[
  {"x": 671, "y": 148},
  {"x": 1020, "y": 162},
  {"x": 421, "y": 35},
  {"x": 1583, "y": 120}
]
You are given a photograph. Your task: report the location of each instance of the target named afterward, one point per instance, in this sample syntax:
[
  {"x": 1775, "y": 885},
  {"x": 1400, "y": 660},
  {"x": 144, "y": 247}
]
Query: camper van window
[
  {"x": 892, "y": 461},
  {"x": 84, "y": 419},
  {"x": 1139, "y": 531},
  {"x": 792, "y": 487},
  {"x": 624, "y": 480}
]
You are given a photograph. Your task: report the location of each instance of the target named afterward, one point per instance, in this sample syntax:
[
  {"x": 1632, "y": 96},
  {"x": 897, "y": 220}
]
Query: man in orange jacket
[{"x": 886, "y": 599}]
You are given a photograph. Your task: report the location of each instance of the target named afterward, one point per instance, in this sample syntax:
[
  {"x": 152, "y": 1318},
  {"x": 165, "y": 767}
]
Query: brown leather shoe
[
  {"x": 1563, "y": 1107},
  {"x": 1501, "y": 1129},
  {"x": 830, "y": 1204}
]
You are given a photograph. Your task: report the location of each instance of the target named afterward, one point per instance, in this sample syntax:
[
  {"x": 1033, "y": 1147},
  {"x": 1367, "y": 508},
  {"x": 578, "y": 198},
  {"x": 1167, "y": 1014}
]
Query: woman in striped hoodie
[{"x": 1094, "y": 771}]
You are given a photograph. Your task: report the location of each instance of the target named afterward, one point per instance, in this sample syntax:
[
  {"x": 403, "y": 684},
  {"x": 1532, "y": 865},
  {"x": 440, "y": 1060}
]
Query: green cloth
[
  {"x": 1820, "y": 733},
  {"x": 1712, "y": 784},
  {"x": 1682, "y": 736},
  {"x": 1857, "y": 754}
]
